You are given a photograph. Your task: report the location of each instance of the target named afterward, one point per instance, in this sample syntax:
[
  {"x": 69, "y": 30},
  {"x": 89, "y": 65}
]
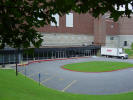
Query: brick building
[
  {"x": 82, "y": 29},
  {"x": 74, "y": 31}
]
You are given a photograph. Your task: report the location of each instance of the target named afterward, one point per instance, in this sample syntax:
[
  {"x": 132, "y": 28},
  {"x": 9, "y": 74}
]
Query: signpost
[{"x": 39, "y": 75}]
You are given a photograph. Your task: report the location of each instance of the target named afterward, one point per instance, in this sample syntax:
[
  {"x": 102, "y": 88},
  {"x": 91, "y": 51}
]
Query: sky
[{"x": 123, "y": 8}]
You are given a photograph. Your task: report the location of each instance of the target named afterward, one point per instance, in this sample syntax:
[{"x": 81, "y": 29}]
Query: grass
[
  {"x": 129, "y": 52},
  {"x": 97, "y": 66},
  {"x": 21, "y": 88}
]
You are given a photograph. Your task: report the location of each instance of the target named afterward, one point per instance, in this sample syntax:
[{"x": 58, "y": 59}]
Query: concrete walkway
[{"x": 7, "y": 66}]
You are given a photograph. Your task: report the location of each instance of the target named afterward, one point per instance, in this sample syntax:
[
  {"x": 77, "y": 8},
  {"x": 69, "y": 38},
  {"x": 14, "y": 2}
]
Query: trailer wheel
[{"x": 122, "y": 57}]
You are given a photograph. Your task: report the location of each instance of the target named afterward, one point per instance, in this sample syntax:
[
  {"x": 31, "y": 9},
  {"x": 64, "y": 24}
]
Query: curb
[{"x": 94, "y": 72}]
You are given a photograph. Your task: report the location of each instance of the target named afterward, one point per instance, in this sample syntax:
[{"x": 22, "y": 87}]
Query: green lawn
[
  {"x": 97, "y": 66},
  {"x": 21, "y": 88}
]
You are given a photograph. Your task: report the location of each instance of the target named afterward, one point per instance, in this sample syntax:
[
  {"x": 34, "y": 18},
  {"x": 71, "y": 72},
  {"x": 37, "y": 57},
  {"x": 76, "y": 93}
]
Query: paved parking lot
[{"x": 53, "y": 76}]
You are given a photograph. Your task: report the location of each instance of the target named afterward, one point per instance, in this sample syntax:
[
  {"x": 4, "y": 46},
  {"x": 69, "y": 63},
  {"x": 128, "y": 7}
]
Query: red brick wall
[
  {"x": 82, "y": 24},
  {"x": 112, "y": 28},
  {"x": 86, "y": 24},
  {"x": 99, "y": 31},
  {"x": 126, "y": 26}
]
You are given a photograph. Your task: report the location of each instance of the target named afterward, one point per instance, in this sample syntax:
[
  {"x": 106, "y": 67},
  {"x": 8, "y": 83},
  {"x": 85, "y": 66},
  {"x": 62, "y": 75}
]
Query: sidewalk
[
  {"x": 7, "y": 66},
  {"x": 10, "y": 66}
]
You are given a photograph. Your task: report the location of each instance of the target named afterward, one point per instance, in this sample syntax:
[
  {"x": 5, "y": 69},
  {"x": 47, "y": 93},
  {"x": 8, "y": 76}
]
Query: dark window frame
[
  {"x": 111, "y": 38},
  {"x": 125, "y": 43}
]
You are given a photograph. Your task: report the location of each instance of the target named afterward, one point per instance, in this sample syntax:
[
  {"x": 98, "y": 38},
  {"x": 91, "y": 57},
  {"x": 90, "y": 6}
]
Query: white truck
[{"x": 113, "y": 52}]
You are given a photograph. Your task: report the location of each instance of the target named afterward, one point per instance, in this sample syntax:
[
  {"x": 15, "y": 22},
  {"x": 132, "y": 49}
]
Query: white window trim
[{"x": 69, "y": 20}]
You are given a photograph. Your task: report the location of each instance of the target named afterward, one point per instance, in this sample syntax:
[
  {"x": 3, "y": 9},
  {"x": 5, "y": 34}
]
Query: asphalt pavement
[{"x": 53, "y": 76}]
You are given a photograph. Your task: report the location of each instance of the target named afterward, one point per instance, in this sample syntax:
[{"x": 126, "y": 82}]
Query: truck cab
[{"x": 123, "y": 55}]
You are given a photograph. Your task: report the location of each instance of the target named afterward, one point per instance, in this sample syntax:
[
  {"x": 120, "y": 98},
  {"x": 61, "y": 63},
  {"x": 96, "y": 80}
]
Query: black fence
[{"x": 9, "y": 56}]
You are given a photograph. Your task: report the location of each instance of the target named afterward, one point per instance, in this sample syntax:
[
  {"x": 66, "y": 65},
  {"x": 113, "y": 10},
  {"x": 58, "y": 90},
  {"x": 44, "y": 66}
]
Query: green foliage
[
  {"x": 129, "y": 52},
  {"x": 132, "y": 46},
  {"x": 20, "y": 19}
]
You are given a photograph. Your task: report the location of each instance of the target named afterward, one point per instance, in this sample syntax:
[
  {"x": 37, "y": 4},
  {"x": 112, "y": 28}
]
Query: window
[
  {"x": 69, "y": 20},
  {"x": 125, "y": 43},
  {"x": 111, "y": 38},
  {"x": 56, "y": 16}
]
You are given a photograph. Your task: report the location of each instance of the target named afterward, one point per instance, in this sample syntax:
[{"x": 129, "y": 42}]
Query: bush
[{"x": 132, "y": 46}]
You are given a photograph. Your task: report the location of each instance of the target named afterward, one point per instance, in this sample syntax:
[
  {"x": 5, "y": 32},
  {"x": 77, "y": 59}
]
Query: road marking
[
  {"x": 61, "y": 79},
  {"x": 46, "y": 73},
  {"x": 49, "y": 78},
  {"x": 69, "y": 85}
]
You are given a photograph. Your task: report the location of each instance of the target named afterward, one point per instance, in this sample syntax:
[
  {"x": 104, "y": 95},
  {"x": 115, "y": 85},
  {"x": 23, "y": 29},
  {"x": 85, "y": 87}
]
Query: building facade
[
  {"x": 71, "y": 30},
  {"x": 82, "y": 29},
  {"x": 123, "y": 37}
]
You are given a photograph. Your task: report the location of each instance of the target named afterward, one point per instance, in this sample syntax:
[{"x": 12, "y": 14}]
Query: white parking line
[
  {"x": 69, "y": 85},
  {"x": 49, "y": 78},
  {"x": 46, "y": 73},
  {"x": 61, "y": 79}
]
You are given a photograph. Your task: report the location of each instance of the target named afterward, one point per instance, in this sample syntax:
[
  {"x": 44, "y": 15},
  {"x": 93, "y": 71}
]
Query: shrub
[{"x": 132, "y": 46}]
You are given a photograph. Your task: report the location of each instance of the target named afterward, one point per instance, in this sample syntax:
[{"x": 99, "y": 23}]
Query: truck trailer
[{"x": 113, "y": 52}]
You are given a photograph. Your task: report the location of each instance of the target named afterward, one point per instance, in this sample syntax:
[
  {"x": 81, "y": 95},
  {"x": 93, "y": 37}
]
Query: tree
[{"x": 19, "y": 19}]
